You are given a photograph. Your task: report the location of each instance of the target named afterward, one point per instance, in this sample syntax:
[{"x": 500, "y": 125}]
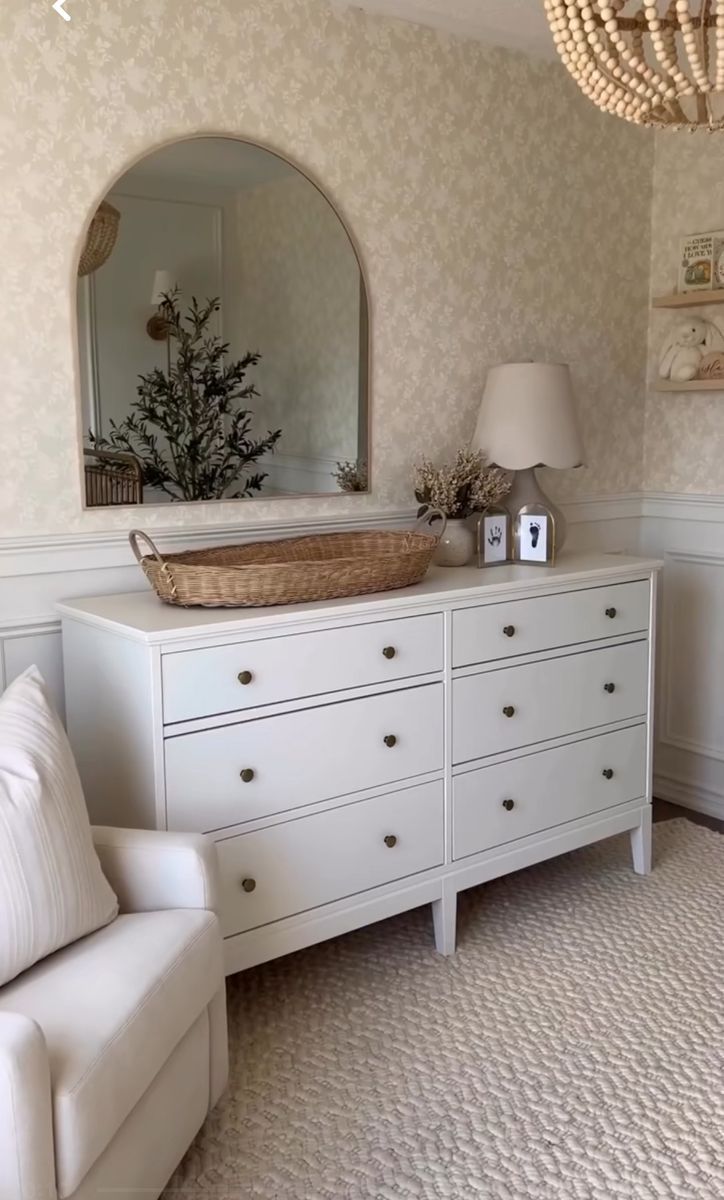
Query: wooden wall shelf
[
  {"x": 696, "y": 385},
  {"x": 689, "y": 299}
]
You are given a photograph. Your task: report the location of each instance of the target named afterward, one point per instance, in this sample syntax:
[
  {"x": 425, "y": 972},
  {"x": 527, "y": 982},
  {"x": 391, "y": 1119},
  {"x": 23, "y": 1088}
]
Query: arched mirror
[{"x": 223, "y": 328}]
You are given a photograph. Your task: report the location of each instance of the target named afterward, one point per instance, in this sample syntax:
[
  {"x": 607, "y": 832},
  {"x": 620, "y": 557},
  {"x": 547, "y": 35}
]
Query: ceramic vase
[{"x": 456, "y": 546}]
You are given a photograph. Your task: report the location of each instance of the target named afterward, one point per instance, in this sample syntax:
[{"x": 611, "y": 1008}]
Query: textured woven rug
[{"x": 573, "y": 1048}]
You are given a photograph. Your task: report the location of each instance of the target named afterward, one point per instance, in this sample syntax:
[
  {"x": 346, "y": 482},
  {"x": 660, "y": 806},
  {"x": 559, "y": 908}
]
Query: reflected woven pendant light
[
  {"x": 656, "y": 64},
  {"x": 100, "y": 240}
]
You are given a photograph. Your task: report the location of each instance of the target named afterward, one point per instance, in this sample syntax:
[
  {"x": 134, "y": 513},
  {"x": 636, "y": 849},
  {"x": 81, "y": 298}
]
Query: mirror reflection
[{"x": 223, "y": 329}]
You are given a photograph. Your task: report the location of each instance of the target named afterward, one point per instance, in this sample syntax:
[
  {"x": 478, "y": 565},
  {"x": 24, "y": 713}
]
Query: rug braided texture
[{"x": 573, "y": 1048}]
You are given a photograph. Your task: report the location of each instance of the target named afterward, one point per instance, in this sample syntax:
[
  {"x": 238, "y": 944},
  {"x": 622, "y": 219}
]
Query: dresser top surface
[{"x": 142, "y": 616}]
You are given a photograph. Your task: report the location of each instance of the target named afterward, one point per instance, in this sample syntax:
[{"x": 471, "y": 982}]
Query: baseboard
[{"x": 695, "y": 797}]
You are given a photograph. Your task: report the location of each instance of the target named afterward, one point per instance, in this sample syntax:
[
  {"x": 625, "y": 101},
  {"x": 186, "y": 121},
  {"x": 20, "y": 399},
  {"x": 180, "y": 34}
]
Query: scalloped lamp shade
[{"x": 528, "y": 417}]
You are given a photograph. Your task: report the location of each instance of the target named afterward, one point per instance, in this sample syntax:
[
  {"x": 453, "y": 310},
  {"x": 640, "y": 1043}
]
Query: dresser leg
[
  {"x": 641, "y": 844},
  {"x": 444, "y": 918}
]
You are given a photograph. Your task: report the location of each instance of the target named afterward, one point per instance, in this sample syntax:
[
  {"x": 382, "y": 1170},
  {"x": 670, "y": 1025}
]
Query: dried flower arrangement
[
  {"x": 352, "y": 476},
  {"x": 467, "y": 486}
]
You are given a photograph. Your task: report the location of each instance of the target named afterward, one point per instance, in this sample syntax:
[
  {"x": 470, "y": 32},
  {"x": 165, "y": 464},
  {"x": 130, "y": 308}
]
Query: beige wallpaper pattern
[
  {"x": 498, "y": 213},
  {"x": 684, "y": 442},
  {"x": 299, "y": 305}
]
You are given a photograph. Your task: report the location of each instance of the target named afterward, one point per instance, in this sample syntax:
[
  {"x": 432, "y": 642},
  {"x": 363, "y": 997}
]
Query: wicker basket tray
[{"x": 289, "y": 571}]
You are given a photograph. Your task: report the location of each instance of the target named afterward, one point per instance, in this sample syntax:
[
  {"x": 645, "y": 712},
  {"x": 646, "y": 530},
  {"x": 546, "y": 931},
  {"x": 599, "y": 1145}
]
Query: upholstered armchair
[{"x": 114, "y": 1049}]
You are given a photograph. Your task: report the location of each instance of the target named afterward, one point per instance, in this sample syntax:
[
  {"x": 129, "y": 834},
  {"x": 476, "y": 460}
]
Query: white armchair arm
[
  {"x": 151, "y": 870},
  {"x": 27, "y": 1169}
]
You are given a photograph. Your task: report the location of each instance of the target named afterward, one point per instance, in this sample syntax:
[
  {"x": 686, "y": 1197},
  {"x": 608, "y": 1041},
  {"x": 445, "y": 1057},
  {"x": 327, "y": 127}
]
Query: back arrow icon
[{"x": 58, "y": 6}]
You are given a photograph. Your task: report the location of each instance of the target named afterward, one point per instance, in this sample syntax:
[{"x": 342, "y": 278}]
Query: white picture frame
[
  {"x": 535, "y": 535},
  {"x": 494, "y": 537}
]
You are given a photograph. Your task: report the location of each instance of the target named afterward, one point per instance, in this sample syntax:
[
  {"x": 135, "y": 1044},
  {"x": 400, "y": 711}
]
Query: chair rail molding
[
  {"x": 46, "y": 554},
  {"x": 53, "y": 553}
]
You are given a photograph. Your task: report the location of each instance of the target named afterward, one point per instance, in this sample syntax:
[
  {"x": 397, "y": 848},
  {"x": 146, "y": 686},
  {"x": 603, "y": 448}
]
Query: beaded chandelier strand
[{"x": 654, "y": 64}]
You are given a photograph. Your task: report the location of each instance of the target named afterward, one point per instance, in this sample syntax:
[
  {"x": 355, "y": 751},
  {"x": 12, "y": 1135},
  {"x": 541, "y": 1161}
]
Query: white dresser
[{"x": 356, "y": 758}]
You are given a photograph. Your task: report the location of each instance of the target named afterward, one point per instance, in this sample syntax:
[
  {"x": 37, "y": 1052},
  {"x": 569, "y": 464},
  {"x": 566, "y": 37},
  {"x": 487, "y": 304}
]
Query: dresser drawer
[
  {"x": 301, "y": 758},
  {"x": 512, "y": 707},
  {"x": 286, "y": 869},
  {"x": 202, "y": 683},
  {"x": 545, "y": 622},
  {"x": 500, "y": 803}
]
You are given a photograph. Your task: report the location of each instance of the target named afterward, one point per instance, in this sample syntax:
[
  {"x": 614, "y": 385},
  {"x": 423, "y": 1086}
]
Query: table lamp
[{"x": 528, "y": 419}]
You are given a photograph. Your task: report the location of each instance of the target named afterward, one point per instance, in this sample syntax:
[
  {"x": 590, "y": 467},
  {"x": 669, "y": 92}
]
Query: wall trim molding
[
  {"x": 47, "y": 554},
  {"x": 622, "y": 506},
  {"x": 14, "y": 627},
  {"x": 682, "y": 506},
  {"x": 666, "y": 735},
  {"x": 695, "y": 796}
]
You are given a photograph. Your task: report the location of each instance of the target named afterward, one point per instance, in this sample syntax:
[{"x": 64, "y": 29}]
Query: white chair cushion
[
  {"x": 113, "y": 1007},
  {"x": 52, "y": 889}
]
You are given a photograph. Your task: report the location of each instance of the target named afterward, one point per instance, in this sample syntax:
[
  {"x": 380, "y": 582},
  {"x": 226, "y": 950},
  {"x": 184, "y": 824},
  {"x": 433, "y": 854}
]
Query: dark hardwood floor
[{"x": 664, "y": 811}]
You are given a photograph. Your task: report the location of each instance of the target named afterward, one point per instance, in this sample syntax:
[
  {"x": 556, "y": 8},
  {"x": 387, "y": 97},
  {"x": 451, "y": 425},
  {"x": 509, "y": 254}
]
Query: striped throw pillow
[{"x": 52, "y": 889}]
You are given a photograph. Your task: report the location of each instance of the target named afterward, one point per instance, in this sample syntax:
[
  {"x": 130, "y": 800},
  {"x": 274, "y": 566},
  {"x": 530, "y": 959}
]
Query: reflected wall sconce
[{"x": 157, "y": 325}]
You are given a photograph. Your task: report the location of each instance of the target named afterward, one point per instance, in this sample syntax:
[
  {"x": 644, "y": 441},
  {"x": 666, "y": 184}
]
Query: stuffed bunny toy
[{"x": 691, "y": 340}]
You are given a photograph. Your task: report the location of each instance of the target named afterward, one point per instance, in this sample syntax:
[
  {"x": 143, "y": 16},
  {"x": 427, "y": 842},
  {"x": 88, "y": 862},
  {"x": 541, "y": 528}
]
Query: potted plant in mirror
[
  {"x": 190, "y": 429},
  {"x": 459, "y": 489}
]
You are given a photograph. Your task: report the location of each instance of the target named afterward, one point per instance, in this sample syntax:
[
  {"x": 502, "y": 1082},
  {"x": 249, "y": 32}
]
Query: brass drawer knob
[
  {"x": 608, "y": 773},
  {"x": 509, "y": 711},
  {"x": 247, "y": 775},
  {"x": 611, "y": 612},
  {"x": 389, "y": 652},
  {"x": 248, "y": 885},
  {"x": 610, "y": 688},
  {"x": 390, "y": 741},
  {"x": 390, "y": 841},
  {"x": 245, "y": 677},
  {"x": 509, "y": 631},
  {"x": 509, "y": 805}
]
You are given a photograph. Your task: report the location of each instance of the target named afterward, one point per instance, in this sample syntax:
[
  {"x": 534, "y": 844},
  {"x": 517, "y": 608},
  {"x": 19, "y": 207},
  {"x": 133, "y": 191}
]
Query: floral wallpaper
[
  {"x": 499, "y": 215},
  {"x": 684, "y": 442}
]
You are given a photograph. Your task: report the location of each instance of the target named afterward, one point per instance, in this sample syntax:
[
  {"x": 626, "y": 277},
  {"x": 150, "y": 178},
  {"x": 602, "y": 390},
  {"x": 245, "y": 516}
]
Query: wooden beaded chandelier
[{"x": 659, "y": 63}]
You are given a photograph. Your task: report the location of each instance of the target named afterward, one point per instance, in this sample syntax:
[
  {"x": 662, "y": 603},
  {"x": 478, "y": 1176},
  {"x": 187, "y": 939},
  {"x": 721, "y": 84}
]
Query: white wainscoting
[
  {"x": 688, "y": 533},
  {"x": 37, "y": 572}
]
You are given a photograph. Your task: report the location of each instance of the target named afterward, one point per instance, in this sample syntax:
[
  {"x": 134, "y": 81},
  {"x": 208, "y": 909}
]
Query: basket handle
[
  {"x": 425, "y": 518},
  {"x": 134, "y": 537}
]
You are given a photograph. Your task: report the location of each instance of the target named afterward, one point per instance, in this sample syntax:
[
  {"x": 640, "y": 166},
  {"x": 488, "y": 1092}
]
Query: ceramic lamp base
[{"x": 527, "y": 490}]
